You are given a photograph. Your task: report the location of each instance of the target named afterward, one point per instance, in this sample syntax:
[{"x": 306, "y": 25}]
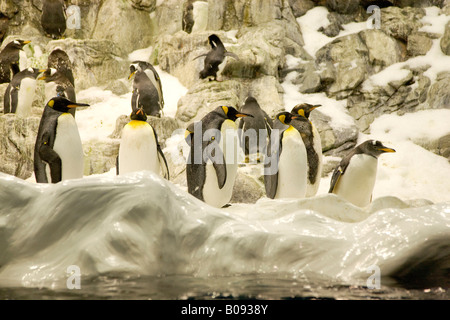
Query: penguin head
[
  {"x": 232, "y": 114},
  {"x": 138, "y": 66},
  {"x": 63, "y": 105},
  {"x": 373, "y": 148},
  {"x": 304, "y": 109},
  {"x": 285, "y": 117},
  {"x": 215, "y": 41},
  {"x": 18, "y": 44},
  {"x": 138, "y": 114},
  {"x": 48, "y": 75}
]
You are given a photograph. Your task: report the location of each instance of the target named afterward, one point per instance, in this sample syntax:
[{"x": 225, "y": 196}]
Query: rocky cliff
[{"x": 277, "y": 41}]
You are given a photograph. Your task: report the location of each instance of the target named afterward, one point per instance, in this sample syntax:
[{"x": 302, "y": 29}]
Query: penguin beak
[
  {"x": 42, "y": 77},
  {"x": 26, "y": 41},
  {"x": 75, "y": 105},
  {"x": 314, "y": 107},
  {"x": 385, "y": 149},
  {"x": 131, "y": 75},
  {"x": 243, "y": 115}
]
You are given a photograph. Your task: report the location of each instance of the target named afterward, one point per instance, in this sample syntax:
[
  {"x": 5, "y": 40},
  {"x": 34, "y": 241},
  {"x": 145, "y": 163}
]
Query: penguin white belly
[
  {"x": 50, "y": 90},
  {"x": 357, "y": 182},
  {"x": 68, "y": 146},
  {"x": 25, "y": 97},
  {"x": 155, "y": 83},
  {"x": 311, "y": 189},
  {"x": 292, "y": 166},
  {"x": 230, "y": 147},
  {"x": 138, "y": 150}
]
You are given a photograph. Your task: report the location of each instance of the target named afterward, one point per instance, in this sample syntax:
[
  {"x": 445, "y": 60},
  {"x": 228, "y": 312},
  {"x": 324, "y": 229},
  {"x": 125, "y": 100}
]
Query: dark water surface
[{"x": 243, "y": 287}]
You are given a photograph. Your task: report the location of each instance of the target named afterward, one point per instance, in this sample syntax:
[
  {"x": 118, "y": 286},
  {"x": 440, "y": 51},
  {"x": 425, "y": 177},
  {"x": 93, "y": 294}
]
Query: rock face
[
  {"x": 266, "y": 36},
  {"x": 17, "y": 140}
]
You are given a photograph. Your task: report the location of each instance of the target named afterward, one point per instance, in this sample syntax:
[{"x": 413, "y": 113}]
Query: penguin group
[{"x": 288, "y": 145}]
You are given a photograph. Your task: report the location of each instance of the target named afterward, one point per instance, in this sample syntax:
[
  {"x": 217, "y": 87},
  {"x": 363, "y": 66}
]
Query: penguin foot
[{"x": 226, "y": 206}]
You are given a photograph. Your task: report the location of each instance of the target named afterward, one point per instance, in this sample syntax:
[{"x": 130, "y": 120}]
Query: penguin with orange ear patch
[
  {"x": 58, "y": 153},
  {"x": 139, "y": 147}
]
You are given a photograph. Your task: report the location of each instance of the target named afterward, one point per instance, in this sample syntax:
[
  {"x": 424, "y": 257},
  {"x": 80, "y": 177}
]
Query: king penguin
[
  {"x": 9, "y": 59},
  {"x": 57, "y": 84},
  {"x": 139, "y": 148},
  {"x": 254, "y": 131},
  {"x": 285, "y": 166},
  {"x": 147, "y": 89},
  {"x": 53, "y": 19},
  {"x": 354, "y": 178},
  {"x": 313, "y": 145},
  {"x": 213, "y": 159},
  {"x": 58, "y": 153},
  {"x": 215, "y": 59},
  {"x": 19, "y": 94}
]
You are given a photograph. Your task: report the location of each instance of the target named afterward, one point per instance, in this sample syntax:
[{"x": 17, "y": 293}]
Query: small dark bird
[
  {"x": 53, "y": 19},
  {"x": 147, "y": 89},
  {"x": 9, "y": 60},
  {"x": 215, "y": 59}
]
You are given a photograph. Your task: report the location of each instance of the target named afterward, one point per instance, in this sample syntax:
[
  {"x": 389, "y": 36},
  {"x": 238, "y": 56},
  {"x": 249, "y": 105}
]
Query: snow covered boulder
[{"x": 399, "y": 23}]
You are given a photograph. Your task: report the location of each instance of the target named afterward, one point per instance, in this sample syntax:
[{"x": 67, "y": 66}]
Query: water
[{"x": 140, "y": 237}]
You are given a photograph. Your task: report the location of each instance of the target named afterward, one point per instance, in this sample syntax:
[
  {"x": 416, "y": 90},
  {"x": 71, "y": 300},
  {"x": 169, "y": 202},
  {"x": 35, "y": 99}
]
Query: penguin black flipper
[
  {"x": 232, "y": 55},
  {"x": 161, "y": 158},
  {"x": 14, "y": 99},
  {"x": 47, "y": 154},
  {"x": 220, "y": 167},
  {"x": 117, "y": 165},
  {"x": 7, "y": 100},
  {"x": 202, "y": 55},
  {"x": 271, "y": 164},
  {"x": 338, "y": 172}
]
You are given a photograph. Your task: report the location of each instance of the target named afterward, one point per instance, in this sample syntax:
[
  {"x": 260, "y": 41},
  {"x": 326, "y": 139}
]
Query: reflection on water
[{"x": 264, "y": 287}]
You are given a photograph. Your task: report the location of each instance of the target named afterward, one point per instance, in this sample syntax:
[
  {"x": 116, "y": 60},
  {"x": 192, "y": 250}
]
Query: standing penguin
[
  {"x": 59, "y": 60},
  {"x": 57, "y": 84},
  {"x": 313, "y": 145},
  {"x": 53, "y": 19},
  {"x": 19, "y": 94},
  {"x": 254, "y": 127},
  {"x": 139, "y": 147},
  {"x": 58, "y": 153},
  {"x": 147, "y": 89},
  {"x": 354, "y": 178},
  {"x": 215, "y": 59},
  {"x": 212, "y": 164},
  {"x": 285, "y": 166},
  {"x": 9, "y": 60}
]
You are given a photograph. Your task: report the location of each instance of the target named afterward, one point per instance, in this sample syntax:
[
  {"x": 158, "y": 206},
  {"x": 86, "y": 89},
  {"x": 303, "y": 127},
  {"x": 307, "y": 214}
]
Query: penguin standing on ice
[
  {"x": 147, "y": 89},
  {"x": 53, "y": 19},
  {"x": 354, "y": 178},
  {"x": 313, "y": 145},
  {"x": 19, "y": 94},
  {"x": 256, "y": 127},
  {"x": 215, "y": 59},
  {"x": 212, "y": 164},
  {"x": 139, "y": 148},
  {"x": 57, "y": 84},
  {"x": 9, "y": 59},
  {"x": 285, "y": 166},
  {"x": 58, "y": 153}
]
